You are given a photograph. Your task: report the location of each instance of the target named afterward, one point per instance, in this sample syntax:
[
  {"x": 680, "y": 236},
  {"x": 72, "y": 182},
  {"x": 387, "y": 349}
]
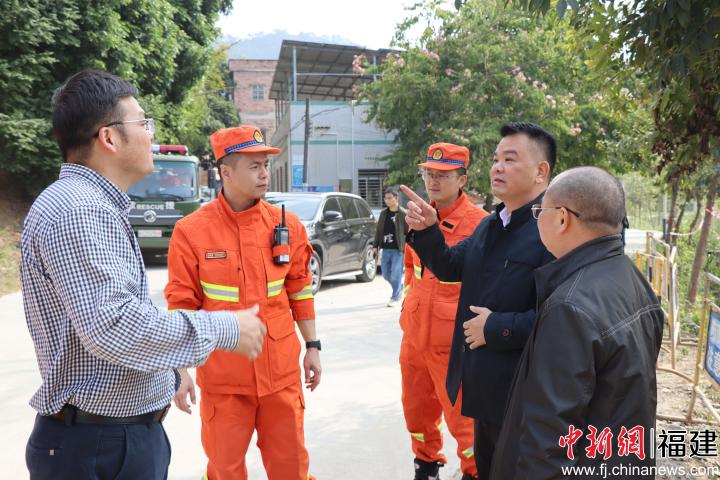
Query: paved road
[{"x": 354, "y": 423}]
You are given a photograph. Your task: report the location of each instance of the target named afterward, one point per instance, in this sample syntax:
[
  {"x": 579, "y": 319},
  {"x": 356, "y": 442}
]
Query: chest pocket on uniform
[
  {"x": 274, "y": 276},
  {"x": 218, "y": 275}
]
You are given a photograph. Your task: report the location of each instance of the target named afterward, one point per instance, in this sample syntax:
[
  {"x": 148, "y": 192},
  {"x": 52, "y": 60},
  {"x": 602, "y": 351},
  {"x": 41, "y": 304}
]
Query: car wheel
[
  {"x": 315, "y": 268},
  {"x": 369, "y": 266}
]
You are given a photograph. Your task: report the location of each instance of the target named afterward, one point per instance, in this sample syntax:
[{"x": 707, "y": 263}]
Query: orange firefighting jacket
[
  {"x": 428, "y": 313},
  {"x": 223, "y": 260}
]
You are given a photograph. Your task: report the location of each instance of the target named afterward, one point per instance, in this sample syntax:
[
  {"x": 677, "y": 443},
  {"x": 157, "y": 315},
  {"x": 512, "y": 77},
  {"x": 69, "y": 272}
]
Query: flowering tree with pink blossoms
[
  {"x": 675, "y": 44},
  {"x": 475, "y": 69}
]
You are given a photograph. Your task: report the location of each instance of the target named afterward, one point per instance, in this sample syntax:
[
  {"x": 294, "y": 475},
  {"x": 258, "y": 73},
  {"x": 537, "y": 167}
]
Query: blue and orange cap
[
  {"x": 242, "y": 139},
  {"x": 446, "y": 156}
]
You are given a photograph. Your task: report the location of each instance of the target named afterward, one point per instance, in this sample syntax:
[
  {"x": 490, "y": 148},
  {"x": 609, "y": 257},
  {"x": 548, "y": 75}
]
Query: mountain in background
[{"x": 266, "y": 46}]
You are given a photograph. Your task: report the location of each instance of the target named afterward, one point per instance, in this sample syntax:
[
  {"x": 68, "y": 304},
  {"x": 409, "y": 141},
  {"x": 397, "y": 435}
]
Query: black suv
[{"x": 341, "y": 229}]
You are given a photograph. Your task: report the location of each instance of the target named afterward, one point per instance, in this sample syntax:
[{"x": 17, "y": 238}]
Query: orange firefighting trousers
[
  {"x": 425, "y": 402},
  {"x": 228, "y": 423}
]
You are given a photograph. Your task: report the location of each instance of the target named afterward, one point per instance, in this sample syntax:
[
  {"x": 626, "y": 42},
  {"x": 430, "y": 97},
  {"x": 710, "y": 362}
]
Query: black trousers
[
  {"x": 486, "y": 437},
  {"x": 56, "y": 451}
]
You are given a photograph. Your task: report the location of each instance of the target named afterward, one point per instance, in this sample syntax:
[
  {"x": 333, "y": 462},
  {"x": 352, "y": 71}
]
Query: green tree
[
  {"x": 162, "y": 46},
  {"x": 32, "y": 32},
  {"x": 676, "y": 43},
  {"x": 207, "y": 107},
  {"x": 478, "y": 68}
]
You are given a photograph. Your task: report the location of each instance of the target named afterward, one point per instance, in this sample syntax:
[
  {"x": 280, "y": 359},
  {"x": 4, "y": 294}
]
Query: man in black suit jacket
[
  {"x": 496, "y": 309},
  {"x": 589, "y": 366}
]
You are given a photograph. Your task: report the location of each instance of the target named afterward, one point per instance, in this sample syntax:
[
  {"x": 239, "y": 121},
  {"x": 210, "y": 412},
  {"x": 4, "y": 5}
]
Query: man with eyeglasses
[
  {"x": 106, "y": 354},
  {"x": 428, "y": 317},
  {"x": 587, "y": 376},
  {"x": 147, "y": 123},
  {"x": 496, "y": 308}
]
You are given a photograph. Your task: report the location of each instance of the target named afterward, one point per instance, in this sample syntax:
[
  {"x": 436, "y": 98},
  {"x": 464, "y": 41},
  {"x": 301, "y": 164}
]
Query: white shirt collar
[{"x": 505, "y": 216}]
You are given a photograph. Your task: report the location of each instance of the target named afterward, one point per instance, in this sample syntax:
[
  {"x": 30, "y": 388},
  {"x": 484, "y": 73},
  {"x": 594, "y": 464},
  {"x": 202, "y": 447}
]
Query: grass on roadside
[
  {"x": 13, "y": 208},
  {"x": 9, "y": 260}
]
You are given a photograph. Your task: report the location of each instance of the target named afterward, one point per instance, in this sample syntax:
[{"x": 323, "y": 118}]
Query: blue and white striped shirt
[{"x": 100, "y": 343}]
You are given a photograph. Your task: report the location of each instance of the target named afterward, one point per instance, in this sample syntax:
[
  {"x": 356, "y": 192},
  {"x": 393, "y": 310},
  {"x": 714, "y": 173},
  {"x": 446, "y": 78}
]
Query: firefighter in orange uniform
[
  {"x": 428, "y": 319},
  {"x": 224, "y": 256}
]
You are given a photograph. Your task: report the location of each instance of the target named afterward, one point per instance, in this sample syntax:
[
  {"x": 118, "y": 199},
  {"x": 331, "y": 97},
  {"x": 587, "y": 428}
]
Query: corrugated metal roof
[{"x": 324, "y": 70}]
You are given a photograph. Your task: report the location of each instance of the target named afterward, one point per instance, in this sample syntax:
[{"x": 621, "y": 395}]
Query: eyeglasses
[
  {"x": 147, "y": 123},
  {"x": 425, "y": 174},
  {"x": 536, "y": 209}
]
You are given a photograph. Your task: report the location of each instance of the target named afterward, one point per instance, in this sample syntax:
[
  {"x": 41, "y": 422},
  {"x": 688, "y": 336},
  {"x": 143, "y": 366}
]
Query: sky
[{"x": 369, "y": 23}]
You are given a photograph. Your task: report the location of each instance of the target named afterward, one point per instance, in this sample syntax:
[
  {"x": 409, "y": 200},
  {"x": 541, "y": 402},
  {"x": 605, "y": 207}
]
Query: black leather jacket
[{"x": 590, "y": 361}]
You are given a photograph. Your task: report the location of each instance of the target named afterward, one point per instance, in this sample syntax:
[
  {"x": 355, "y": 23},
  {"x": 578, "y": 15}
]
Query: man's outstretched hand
[{"x": 420, "y": 214}]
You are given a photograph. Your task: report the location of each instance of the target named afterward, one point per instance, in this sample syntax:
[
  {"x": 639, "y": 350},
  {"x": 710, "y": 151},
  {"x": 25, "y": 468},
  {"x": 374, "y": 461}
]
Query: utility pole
[{"x": 305, "y": 144}]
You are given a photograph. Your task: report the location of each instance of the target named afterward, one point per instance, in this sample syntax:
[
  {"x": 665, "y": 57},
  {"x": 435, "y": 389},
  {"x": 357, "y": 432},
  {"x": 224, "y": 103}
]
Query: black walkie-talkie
[{"x": 281, "y": 242}]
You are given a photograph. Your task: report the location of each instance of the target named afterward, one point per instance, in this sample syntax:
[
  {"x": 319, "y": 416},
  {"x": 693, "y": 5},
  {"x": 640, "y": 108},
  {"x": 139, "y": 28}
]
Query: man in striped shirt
[{"x": 107, "y": 355}]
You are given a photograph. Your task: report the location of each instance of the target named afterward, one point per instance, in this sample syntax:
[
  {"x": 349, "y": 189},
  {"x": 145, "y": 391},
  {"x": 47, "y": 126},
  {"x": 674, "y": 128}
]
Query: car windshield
[
  {"x": 169, "y": 181},
  {"x": 304, "y": 207}
]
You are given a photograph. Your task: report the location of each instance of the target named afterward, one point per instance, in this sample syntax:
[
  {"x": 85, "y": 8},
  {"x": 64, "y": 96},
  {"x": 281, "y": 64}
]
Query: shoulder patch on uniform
[{"x": 215, "y": 254}]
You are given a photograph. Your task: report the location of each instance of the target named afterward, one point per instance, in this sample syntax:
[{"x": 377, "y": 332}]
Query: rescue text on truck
[{"x": 169, "y": 193}]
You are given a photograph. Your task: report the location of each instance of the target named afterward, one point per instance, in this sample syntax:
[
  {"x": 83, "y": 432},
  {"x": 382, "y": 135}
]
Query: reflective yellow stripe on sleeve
[
  {"x": 303, "y": 294},
  {"x": 451, "y": 283},
  {"x": 468, "y": 452},
  {"x": 420, "y": 437},
  {"x": 275, "y": 287},
  {"x": 418, "y": 271},
  {"x": 406, "y": 290},
  {"x": 224, "y": 293}
]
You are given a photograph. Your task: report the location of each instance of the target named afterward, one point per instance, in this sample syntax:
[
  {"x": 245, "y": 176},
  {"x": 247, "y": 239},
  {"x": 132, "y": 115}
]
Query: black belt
[{"x": 71, "y": 414}]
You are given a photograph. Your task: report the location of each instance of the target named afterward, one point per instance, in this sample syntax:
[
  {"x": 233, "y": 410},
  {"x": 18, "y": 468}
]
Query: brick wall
[{"x": 247, "y": 73}]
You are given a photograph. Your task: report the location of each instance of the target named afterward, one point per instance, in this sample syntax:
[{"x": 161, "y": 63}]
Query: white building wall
[{"x": 341, "y": 144}]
